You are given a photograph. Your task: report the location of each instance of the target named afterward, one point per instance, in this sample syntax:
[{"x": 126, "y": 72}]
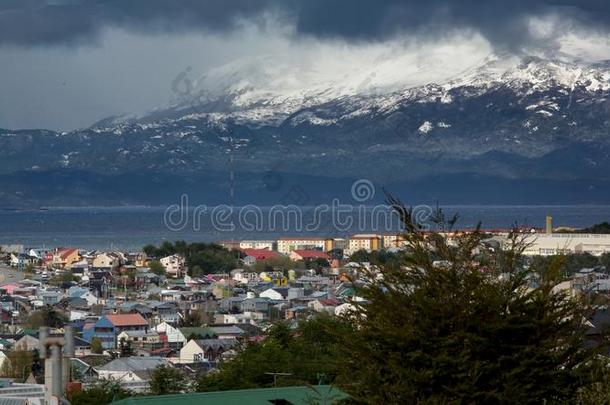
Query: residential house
[
  {"x": 170, "y": 335},
  {"x": 99, "y": 282},
  {"x": 26, "y": 343},
  {"x": 254, "y": 305},
  {"x": 324, "y": 305},
  {"x": 83, "y": 293},
  {"x": 109, "y": 261},
  {"x": 245, "y": 277},
  {"x": 227, "y": 332},
  {"x": 141, "y": 339},
  {"x": 21, "y": 260},
  {"x": 175, "y": 265},
  {"x": 275, "y": 293},
  {"x": 205, "y": 350},
  {"x": 251, "y": 318},
  {"x": 307, "y": 255},
  {"x": 254, "y": 255},
  {"x": 108, "y": 328},
  {"x": 65, "y": 258},
  {"x": 131, "y": 369}
]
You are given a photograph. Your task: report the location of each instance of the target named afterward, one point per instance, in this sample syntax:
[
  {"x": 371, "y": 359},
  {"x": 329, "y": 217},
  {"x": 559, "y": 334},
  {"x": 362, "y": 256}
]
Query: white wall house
[
  {"x": 203, "y": 350},
  {"x": 271, "y": 294},
  {"x": 175, "y": 338},
  {"x": 175, "y": 265},
  {"x": 106, "y": 260}
]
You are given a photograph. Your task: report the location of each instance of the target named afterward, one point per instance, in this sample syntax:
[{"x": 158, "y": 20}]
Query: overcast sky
[{"x": 65, "y": 64}]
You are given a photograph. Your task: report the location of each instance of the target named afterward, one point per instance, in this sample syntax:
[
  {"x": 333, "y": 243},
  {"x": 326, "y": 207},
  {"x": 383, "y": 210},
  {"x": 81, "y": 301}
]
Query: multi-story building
[
  {"x": 109, "y": 327},
  {"x": 258, "y": 244},
  {"x": 287, "y": 245},
  {"x": 175, "y": 265},
  {"x": 65, "y": 258},
  {"x": 368, "y": 242},
  {"x": 545, "y": 244},
  {"x": 392, "y": 240}
]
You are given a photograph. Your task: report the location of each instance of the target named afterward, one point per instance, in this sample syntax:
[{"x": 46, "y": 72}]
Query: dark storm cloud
[{"x": 42, "y": 22}]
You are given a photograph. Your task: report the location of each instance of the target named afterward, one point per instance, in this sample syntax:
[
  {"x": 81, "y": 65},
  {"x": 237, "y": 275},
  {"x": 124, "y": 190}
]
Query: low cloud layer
[{"x": 505, "y": 23}]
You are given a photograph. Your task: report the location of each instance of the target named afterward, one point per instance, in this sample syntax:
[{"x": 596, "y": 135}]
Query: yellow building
[
  {"x": 368, "y": 242},
  {"x": 65, "y": 258}
]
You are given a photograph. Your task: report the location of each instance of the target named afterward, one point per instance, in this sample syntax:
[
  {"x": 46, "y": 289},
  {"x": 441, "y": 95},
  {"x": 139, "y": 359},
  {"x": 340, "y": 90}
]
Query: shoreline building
[{"x": 547, "y": 244}]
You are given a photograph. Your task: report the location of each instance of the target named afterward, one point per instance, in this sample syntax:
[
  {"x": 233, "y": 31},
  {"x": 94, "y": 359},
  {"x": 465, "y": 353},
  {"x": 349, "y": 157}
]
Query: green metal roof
[
  {"x": 294, "y": 395},
  {"x": 201, "y": 330}
]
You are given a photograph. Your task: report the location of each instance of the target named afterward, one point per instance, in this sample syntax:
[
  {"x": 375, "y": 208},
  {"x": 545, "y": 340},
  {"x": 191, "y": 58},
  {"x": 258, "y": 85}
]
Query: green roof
[
  {"x": 5, "y": 342},
  {"x": 294, "y": 395},
  {"x": 194, "y": 330}
]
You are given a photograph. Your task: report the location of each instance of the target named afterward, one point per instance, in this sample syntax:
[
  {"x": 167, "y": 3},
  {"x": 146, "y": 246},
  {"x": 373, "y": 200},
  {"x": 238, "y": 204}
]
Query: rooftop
[
  {"x": 292, "y": 395},
  {"x": 127, "y": 320}
]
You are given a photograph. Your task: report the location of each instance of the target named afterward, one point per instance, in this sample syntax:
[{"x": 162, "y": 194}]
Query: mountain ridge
[{"x": 509, "y": 118}]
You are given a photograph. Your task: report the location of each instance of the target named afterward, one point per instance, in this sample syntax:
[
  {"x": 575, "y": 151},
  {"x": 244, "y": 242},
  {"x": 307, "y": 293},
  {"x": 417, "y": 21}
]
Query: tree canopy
[{"x": 201, "y": 258}]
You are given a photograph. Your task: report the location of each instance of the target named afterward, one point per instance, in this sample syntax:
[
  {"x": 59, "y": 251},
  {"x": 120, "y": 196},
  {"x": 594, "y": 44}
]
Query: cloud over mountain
[{"x": 505, "y": 23}]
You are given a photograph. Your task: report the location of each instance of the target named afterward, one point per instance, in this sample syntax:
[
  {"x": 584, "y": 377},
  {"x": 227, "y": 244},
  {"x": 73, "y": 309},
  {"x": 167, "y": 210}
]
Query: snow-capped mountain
[{"x": 511, "y": 118}]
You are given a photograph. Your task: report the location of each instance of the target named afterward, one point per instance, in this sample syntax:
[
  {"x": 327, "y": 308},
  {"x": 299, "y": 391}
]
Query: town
[{"x": 191, "y": 307}]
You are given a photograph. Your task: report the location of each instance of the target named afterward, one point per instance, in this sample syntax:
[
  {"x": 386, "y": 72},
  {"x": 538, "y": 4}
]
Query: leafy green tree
[
  {"x": 167, "y": 380},
  {"x": 150, "y": 250},
  {"x": 96, "y": 345},
  {"x": 17, "y": 365},
  {"x": 603, "y": 227},
  {"x": 604, "y": 260},
  {"x": 156, "y": 267},
  {"x": 279, "y": 263},
  {"x": 201, "y": 258},
  {"x": 37, "y": 367},
  {"x": 103, "y": 392},
  {"x": 47, "y": 316},
  {"x": 306, "y": 355},
  {"x": 29, "y": 269},
  {"x": 125, "y": 348},
  {"x": 193, "y": 319}
]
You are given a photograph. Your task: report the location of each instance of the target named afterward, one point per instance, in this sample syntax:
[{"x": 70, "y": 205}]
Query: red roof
[
  {"x": 330, "y": 302},
  {"x": 260, "y": 254},
  {"x": 312, "y": 254},
  {"x": 127, "y": 320},
  {"x": 64, "y": 253}
]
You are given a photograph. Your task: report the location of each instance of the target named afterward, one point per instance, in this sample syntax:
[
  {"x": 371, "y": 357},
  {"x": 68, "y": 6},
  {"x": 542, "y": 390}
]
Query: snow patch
[{"x": 425, "y": 127}]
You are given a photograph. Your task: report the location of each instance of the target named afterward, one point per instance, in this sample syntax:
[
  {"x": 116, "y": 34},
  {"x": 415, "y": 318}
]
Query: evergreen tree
[
  {"x": 167, "y": 380},
  {"x": 125, "y": 348},
  {"x": 96, "y": 345},
  {"x": 457, "y": 324}
]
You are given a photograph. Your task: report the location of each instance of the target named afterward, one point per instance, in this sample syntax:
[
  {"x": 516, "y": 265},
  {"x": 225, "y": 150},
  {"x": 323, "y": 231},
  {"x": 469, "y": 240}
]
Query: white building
[
  {"x": 246, "y": 277},
  {"x": 131, "y": 369},
  {"x": 106, "y": 261},
  {"x": 258, "y": 244},
  {"x": 204, "y": 350},
  {"x": 175, "y": 338},
  {"x": 235, "y": 319},
  {"x": 565, "y": 243},
  {"x": 175, "y": 265},
  {"x": 287, "y": 245}
]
